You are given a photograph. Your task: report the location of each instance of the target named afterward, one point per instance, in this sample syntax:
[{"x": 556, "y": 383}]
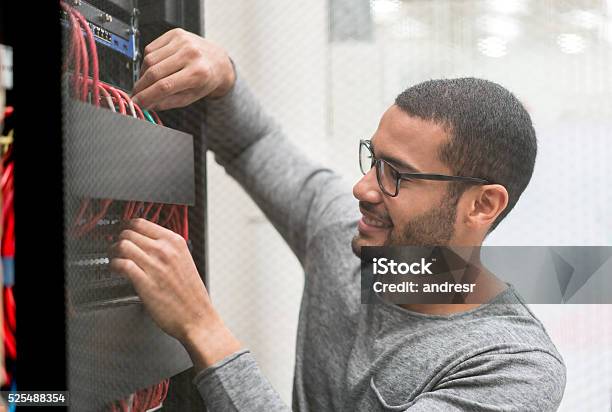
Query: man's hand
[
  {"x": 159, "y": 265},
  {"x": 179, "y": 68}
]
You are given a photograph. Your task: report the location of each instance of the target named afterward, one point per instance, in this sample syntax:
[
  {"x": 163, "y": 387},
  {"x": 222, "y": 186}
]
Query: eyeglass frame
[{"x": 409, "y": 175}]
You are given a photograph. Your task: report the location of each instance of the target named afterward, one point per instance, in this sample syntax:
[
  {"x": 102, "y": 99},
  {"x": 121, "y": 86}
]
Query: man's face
[{"x": 423, "y": 213}]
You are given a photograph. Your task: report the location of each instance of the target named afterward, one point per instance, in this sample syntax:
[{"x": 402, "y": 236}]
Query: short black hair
[{"x": 491, "y": 135}]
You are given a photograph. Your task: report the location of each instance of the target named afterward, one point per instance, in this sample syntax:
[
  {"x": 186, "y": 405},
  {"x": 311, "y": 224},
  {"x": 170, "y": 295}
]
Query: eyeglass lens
[{"x": 385, "y": 174}]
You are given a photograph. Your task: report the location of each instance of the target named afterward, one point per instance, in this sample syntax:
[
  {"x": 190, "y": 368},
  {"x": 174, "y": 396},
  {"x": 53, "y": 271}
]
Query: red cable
[
  {"x": 162, "y": 392},
  {"x": 185, "y": 223},
  {"x": 80, "y": 85},
  {"x": 140, "y": 206},
  {"x": 87, "y": 227},
  {"x": 10, "y": 305},
  {"x": 8, "y": 216},
  {"x": 127, "y": 105},
  {"x": 156, "y": 117},
  {"x": 156, "y": 398},
  {"x": 116, "y": 96},
  {"x": 132, "y": 208},
  {"x": 136, "y": 402},
  {"x": 155, "y": 216},
  {"x": 147, "y": 209},
  {"x": 170, "y": 214},
  {"x": 166, "y": 388},
  {"x": 138, "y": 111},
  {"x": 174, "y": 224},
  {"x": 126, "y": 211},
  {"x": 129, "y": 100},
  {"x": 147, "y": 397},
  {"x": 128, "y": 215},
  {"x": 8, "y": 203},
  {"x": 8, "y": 246},
  {"x": 94, "y": 56},
  {"x": 9, "y": 311},
  {"x": 9, "y": 343},
  {"x": 75, "y": 47},
  {"x": 81, "y": 212},
  {"x": 101, "y": 86},
  {"x": 153, "y": 399}
]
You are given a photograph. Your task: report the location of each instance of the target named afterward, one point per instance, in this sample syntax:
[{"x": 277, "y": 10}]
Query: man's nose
[{"x": 367, "y": 189}]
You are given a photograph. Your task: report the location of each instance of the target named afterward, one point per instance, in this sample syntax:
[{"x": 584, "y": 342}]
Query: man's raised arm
[{"x": 297, "y": 195}]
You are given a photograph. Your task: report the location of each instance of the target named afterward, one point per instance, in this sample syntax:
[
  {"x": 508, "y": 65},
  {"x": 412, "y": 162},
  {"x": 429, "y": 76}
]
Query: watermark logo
[
  {"x": 476, "y": 274},
  {"x": 383, "y": 266}
]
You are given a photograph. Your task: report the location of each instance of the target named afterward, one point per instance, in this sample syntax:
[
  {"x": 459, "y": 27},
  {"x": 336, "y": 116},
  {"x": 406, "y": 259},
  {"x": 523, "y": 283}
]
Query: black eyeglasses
[{"x": 389, "y": 177}]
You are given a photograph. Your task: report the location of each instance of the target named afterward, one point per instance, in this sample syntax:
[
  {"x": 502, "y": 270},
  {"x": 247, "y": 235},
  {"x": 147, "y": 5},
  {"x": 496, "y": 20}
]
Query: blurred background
[{"x": 328, "y": 69}]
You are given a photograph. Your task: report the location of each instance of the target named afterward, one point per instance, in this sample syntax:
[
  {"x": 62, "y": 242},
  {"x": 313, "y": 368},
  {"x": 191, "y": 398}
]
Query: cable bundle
[
  {"x": 144, "y": 400},
  {"x": 7, "y": 250},
  {"x": 87, "y": 87}
]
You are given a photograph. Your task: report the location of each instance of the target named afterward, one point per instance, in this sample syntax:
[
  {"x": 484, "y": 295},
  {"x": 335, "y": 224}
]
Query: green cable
[{"x": 148, "y": 116}]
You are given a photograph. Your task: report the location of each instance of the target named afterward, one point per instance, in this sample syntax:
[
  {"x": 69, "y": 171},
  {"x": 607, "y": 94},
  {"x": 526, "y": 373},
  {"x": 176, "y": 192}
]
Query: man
[{"x": 350, "y": 356}]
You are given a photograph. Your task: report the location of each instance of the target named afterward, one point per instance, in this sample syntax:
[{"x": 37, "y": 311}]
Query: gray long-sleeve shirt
[{"x": 354, "y": 357}]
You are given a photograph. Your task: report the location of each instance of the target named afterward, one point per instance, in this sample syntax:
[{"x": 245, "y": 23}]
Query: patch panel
[{"x": 125, "y": 44}]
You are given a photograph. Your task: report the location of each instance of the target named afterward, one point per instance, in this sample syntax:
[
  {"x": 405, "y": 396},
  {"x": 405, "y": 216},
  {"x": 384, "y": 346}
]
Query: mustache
[{"x": 370, "y": 208}]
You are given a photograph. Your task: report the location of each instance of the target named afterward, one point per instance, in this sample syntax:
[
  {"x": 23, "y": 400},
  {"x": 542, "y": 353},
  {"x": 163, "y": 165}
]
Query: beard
[{"x": 433, "y": 228}]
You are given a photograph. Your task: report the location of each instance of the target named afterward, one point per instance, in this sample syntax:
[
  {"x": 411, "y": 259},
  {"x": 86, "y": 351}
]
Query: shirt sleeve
[
  {"x": 298, "y": 195},
  {"x": 236, "y": 384},
  {"x": 532, "y": 381}
]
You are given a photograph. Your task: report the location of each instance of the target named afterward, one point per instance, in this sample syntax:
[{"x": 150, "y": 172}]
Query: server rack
[{"x": 111, "y": 163}]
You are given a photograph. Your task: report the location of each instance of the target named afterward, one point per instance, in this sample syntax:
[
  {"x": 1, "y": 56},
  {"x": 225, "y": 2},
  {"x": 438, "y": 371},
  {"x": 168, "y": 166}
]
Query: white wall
[{"x": 255, "y": 280}]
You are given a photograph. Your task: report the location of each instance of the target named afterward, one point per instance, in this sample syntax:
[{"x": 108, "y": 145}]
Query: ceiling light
[
  {"x": 385, "y": 10},
  {"x": 508, "y": 6},
  {"x": 499, "y": 26}
]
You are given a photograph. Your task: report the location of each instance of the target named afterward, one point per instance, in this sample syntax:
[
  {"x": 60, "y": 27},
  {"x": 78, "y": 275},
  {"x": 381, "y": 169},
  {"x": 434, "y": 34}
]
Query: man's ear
[{"x": 485, "y": 204}]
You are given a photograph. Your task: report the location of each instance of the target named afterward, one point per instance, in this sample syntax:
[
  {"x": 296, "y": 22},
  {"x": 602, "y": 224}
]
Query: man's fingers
[
  {"x": 161, "y": 41},
  {"x": 147, "y": 228},
  {"x": 172, "y": 84},
  {"x": 158, "y": 70},
  {"x": 133, "y": 272},
  {"x": 157, "y": 56},
  {"x": 126, "y": 249},
  {"x": 176, "y": 100},
  {"x": 145, "y": 243}
]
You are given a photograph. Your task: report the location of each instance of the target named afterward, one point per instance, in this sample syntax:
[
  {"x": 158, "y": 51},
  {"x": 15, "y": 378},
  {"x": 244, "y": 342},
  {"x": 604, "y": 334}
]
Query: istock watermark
[{"x": 409, "y": 275}]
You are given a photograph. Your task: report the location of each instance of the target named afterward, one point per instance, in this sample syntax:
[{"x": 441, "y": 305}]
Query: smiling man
[{"x": 447, "y": 162}]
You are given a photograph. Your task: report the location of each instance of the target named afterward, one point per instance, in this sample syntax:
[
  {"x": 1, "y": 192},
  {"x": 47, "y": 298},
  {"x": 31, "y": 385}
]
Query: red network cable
[
  {"x": 87, "y": 227},
  {"x": 7, "y": 250},
  {"x": 94, "y": 55},
  {"x": 185, "y": 222},
  {"x": 116, "y": 97},
  {"x": 156, "y": 117},
  {"x": 82, "y": 85},
  {"x": 143, "y": 399},
  {"x": 79, "y": 51},
  {"x": 76, "y": 50},
  {"x": 146, "y": 210}
]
